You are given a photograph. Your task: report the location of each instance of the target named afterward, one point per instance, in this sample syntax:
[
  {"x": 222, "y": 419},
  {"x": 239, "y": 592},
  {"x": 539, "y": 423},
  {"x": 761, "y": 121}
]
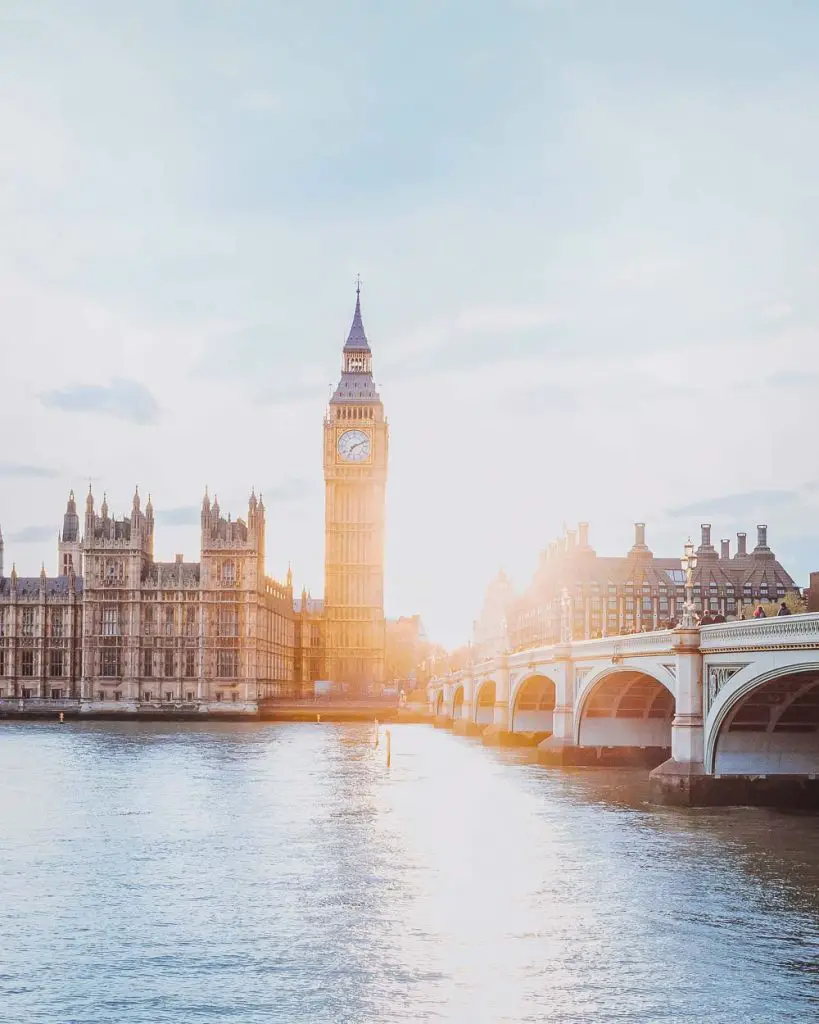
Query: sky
[{"x": 588, "y": 238}]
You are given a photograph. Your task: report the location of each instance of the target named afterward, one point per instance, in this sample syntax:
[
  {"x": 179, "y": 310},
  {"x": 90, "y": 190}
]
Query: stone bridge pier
[{"x": 722, "y": 714}]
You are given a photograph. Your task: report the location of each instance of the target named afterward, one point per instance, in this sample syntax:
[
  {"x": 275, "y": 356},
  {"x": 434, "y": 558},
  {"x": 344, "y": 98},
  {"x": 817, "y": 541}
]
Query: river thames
[{"x": 257, "y": 873}]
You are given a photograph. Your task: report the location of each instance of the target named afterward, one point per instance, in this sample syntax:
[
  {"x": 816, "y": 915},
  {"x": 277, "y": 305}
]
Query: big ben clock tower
[{"x": 355, "y": 476}]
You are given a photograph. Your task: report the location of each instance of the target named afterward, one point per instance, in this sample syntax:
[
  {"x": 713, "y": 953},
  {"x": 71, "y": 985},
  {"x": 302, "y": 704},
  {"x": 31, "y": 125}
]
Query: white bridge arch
[{"x": 710, "y": 705}]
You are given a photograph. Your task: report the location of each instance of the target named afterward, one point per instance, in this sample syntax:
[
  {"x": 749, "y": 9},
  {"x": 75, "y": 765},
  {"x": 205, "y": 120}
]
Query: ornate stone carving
[
  {"x": 580, "y": 677},
  {"x": 671, "y": 668},
  {"x": 775, "y": 633},
  {"x": 718, "y": 676}
]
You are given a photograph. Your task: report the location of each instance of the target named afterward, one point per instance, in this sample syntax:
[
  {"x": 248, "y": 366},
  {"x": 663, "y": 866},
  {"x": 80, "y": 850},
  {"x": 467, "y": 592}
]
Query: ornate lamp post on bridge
[{"x": 689, "y": 564}]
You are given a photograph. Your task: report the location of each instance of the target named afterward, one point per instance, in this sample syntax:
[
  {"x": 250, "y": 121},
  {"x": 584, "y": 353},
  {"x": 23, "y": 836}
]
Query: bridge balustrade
[{"x": 785, "y": 631}]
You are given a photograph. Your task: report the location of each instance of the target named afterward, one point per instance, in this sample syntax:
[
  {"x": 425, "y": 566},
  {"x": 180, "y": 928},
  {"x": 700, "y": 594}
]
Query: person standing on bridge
[
  {"x": 783, "y": 609},
  {"x": 759, "y": 612}
]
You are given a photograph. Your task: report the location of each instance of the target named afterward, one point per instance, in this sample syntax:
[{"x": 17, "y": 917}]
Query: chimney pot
[
  {"x": 726, "y": 549},
  {"x": 762, "y": 536},
  {"x": 742, "y": 549}
]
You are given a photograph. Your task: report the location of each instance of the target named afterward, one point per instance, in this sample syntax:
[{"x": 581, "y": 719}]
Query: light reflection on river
[{"x": 237, "y": 872}]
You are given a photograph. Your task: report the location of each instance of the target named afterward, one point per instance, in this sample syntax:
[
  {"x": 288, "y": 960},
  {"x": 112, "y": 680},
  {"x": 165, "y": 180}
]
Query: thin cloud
[
  {"x": 182, "y": 515},
  {"x": 293, "y": 489},
  {"x": 289, "y": 394},
  {"x": 481, "y": 336},
  {"x": 25, "y": 471},
  {"x": 737, "y": 504},
  {"x": 123, "y": 399},
  {"x": 795, "y": 379},
  {"x": 33, "y": 534},
  {"x": 535, "y": 400}
]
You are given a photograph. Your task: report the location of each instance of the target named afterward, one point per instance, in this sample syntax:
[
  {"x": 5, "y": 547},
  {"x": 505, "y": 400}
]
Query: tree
[{"x": 794, "y": 602}]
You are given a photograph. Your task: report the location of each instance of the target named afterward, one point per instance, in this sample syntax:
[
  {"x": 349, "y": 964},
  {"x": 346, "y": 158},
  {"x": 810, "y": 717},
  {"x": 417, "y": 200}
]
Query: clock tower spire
[{"x": 356, "y": 438}]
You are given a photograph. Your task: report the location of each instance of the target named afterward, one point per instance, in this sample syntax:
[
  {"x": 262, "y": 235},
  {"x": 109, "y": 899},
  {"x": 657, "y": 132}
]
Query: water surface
[{"x": 244, "y": 872}]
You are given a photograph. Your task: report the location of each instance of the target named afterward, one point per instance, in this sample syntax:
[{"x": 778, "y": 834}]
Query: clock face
[{"x": 354, "y": 446}]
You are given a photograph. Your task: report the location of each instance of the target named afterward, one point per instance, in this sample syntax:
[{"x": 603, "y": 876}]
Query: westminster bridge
[{"x": 726, "y": 713}]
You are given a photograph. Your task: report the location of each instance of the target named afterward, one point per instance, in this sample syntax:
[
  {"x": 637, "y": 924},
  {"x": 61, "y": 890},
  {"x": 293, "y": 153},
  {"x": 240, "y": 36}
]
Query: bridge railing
[
  {"x": 603, "y": 647},
  {"x": 779, "y": 632},
  {"x": 630, "y": 643}
]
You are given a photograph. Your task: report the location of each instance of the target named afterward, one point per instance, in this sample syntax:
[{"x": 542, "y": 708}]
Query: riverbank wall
[{"x": 34, "y": 709}]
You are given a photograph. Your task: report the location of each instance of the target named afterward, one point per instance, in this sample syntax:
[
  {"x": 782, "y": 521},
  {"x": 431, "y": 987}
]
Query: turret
[
  {"x": 89, "y": 513},
  {"x": 69, "y": 543},
  {"x": 1, "y": 554},
  {"x": 252, "y": 512},
  {"x": 104, "y": 506}
]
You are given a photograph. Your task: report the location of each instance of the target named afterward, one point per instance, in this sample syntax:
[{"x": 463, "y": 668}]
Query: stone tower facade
[{"x": 356, "y": 440}]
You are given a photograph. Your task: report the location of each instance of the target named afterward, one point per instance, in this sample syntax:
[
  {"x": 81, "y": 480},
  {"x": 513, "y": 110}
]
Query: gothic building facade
[
  {"x": 119, "y": 630},
  {"x": 606, "y": 596}
]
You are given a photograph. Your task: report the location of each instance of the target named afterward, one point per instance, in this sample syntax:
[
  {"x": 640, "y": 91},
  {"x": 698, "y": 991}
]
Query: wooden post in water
[
  {"x": 62, "y": 717},
  {"x": 318, "y": 718},
  {"x": 376, "y": 734},
  {"x": 389, "y": 744}
]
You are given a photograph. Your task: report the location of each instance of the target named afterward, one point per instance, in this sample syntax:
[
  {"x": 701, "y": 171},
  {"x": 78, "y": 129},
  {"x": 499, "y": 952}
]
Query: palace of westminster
[{"x": 117, "y": 630}]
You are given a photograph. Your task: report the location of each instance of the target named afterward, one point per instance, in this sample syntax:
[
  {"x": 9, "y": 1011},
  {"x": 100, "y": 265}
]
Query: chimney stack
[
  {"x": 706, "y": 534},
  {"x": 725, "y": 552},
  {"x": 583, "y": 531},
  {"x": 762, "y": 537},
  {"x": 639, "y": 535},
  {"x": 742, "y": 549}
]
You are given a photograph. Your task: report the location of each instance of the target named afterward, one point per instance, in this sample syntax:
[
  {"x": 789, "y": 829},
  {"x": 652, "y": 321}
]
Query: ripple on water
[{"x": 236, "y": 872}]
